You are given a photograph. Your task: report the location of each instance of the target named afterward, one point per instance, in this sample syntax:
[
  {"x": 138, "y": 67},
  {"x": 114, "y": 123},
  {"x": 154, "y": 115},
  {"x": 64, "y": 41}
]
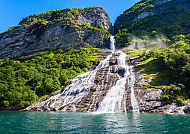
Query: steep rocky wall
[
  {"x": 149, "y": 98},
  {"x": 148, "y": 8},
  {"x": 68, "y": 28}
]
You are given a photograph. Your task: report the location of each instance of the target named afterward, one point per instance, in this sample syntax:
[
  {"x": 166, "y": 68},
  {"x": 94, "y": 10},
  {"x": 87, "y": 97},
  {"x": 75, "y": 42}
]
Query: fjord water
[{"x": 62, "y": 122}]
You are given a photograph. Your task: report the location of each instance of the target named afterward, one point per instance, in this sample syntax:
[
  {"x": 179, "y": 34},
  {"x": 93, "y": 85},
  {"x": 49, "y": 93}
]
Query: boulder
[{"x": 187, "y": 109}]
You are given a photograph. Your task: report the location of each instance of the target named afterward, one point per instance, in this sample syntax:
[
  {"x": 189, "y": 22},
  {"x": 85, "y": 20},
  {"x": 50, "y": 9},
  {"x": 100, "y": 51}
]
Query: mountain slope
[
  {"x": 23, "y": 82},
  {"x": 153, "y": 18},
  {"x": 67, "y": 28},
  {"x": 159, "y": 23}
]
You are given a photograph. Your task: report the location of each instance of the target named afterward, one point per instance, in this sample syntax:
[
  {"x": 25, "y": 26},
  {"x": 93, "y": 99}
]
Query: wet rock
[
  {"x": 112, "y": 62},
  {"x": 149, "y": 99},
  {"x": 105, "y": 78},
  {"x": 187, "y": 109}
]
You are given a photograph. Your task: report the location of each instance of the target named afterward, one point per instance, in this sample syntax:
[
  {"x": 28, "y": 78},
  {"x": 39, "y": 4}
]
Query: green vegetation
[
  {"x": 169, "y": 19},
  {"x": 65, "y": 15},
  {"x": 14, "y": 27},
  {"x": 167, "y": 24},
  {"x": 170, "y": 69},
  {"x": 23, "y": 82}
]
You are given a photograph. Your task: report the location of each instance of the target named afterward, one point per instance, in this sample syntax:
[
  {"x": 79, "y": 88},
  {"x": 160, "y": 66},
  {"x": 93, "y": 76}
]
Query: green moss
[
  {"x": 37, "y": 20},
  {"x": 145, "y": 86},
  {"x": 91, "y": 28},
  {"x": 79, "y": 28},
  {"x": 75, "y": 10},
  {"x": 47, "y": 13},
  {"x": 90, "y": 8},
  {"x": 175, "y": 94}
]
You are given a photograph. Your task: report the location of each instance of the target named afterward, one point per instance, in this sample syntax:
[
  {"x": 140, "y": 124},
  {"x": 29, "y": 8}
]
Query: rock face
[
  {"x": 142, "y": 15},
  {"x": 56, "y": 29},
  {"x": 146, "y": 8},
  {"x": 153, "y": 17},
  {"x": 187, "y": 109},
  {"x": 149, "y": 99}
]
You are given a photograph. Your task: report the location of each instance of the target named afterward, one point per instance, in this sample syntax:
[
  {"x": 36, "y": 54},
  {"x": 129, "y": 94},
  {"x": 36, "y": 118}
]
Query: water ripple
[{"x": 58, "y": 123}]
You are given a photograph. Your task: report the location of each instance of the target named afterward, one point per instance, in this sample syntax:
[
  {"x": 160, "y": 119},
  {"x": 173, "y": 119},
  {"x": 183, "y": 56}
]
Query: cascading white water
[
  {"x": 131, "y": 81},
  {"x": 73, "y": 93},
  {"x": 112, "y": 43},
  {"x": 115, "y": 100},
  {"x": 80, "y": 86}
]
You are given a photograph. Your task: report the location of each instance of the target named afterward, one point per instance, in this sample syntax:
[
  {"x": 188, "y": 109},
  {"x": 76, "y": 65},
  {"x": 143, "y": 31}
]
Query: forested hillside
[
  {"x": 153, "y": 19},
  {"x": 23, "y": 82}
]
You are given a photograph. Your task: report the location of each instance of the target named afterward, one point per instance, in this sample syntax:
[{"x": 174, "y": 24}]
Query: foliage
[
  {"x": 169, "y": 66},
  {"x": 23, "y": 82},
  {"x": 169, "y": 19},
  {"x": 175, "y": 94},
  {"x": 14, "y": 27}
]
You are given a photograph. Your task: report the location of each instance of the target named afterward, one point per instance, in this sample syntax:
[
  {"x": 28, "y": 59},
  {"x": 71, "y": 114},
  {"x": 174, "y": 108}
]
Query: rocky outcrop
[
  {"x": 143, "y": 15},
  {"x": 187, "y": 109},
  {"x": 149, "y": 99},
  {"x": 68, "y": 28},
  {"x": 104, "y": 80}
]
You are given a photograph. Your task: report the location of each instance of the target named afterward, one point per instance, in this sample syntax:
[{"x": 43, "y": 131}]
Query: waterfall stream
[
  {"x": 112, "y": 43},
  {"x": 115, "y": 99},
  {"x": 108, "y": 84}
]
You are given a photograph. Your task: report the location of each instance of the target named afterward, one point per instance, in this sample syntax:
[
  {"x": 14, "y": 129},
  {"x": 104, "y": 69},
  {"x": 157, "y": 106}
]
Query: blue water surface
[{"x": 91, "y": 123}]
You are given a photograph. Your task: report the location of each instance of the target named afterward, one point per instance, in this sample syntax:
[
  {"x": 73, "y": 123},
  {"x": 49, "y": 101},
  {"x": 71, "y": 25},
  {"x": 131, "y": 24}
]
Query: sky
[{"x": 13, "y": 11}]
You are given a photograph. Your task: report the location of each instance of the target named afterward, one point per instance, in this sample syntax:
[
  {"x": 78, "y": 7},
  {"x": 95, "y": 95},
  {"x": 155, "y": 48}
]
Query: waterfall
[
  {"x": 80, "y": 86},
  {"x": 112, "y": 43},
  {"x": 73, "y": 93},
  {"x": 131, "y": 81},
  {"x": 108, "y": 84},
  {"x": 115, "y": 100}
]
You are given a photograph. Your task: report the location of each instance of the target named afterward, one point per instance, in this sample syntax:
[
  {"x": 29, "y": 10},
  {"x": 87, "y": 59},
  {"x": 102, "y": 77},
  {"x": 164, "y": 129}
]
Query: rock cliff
[
  {"x": 153, "y": 18},
  {"x": 149, "y": 98},
  {"x": 67, "y": 28}
]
